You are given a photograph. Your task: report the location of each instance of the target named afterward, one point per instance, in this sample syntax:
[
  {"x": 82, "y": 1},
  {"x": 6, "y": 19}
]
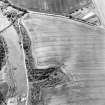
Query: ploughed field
[
  {"x": 59, "y": 62},
  {"x": 76, "y": 47}
]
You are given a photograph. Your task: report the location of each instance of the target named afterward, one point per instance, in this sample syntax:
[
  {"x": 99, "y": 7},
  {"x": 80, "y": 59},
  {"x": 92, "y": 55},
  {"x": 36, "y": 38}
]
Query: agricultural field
[{"x": 51, "y": 60}]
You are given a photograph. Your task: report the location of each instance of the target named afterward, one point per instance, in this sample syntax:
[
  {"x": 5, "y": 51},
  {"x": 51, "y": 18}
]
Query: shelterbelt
[{"x": 51, "y": 59}]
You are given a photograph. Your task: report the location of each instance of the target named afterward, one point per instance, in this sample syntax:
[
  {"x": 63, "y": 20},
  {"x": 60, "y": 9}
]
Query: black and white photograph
[{"x": 52, "y": 52}]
